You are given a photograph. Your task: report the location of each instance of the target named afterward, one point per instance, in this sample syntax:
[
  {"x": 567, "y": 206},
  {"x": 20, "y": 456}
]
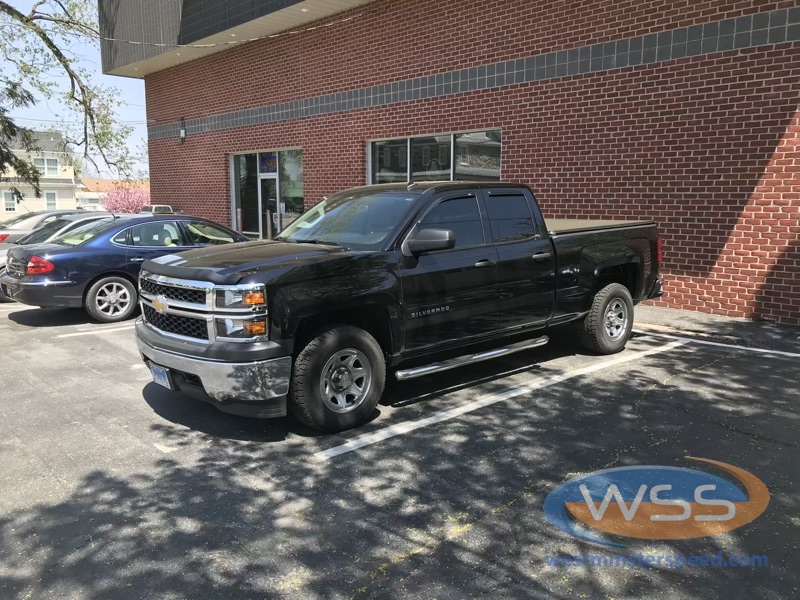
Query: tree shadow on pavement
[{"x": 454, "y": 511}]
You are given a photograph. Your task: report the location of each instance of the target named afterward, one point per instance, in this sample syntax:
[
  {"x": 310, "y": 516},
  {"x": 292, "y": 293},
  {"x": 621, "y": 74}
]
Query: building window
[
  {"x": 430, "y": 158},
  {"x": 47, "y": 167},
  {"x": 478, "y": 155},
  {"x": 9, "y": 204},
  {"x": 50, "y": 201},
  {"x": 267, "y": 191},
  {"x": 471, "y": 156},
  {"x": 390, "y": 161}
]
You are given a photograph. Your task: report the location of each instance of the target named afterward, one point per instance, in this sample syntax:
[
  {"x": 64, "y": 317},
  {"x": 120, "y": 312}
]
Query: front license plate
[{"x": 160, "y": 375}]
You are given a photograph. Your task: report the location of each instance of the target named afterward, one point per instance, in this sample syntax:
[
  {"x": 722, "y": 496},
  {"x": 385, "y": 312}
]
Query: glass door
[
  {"x": 267, "y": 191},
  {"x": 246, "y": 213},
  {"x": 270, "y": 213}
]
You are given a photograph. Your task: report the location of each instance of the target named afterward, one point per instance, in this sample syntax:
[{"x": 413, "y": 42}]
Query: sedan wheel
[{"x": 111, "y": 299}]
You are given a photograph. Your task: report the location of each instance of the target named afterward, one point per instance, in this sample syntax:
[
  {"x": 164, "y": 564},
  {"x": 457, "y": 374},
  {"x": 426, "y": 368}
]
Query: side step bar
[{"x": 469, "y": 359}]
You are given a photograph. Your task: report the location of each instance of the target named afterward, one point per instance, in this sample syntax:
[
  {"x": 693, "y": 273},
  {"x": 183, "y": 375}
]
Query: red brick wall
[{"x": 708, "y": 146}]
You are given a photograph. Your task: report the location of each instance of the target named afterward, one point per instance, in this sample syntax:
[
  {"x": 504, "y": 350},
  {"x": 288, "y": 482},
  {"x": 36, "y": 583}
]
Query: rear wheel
[
  {"x": 608, "y": 325},
  {"x": 3, "y": 297},
  {"x": 338, "y": 379},
  {"x": 111, "y": 299}
]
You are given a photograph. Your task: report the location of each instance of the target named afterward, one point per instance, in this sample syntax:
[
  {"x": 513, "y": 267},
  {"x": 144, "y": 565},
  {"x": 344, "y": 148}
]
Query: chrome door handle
[
  {"x": 541, "y": 256},
  {"x": 484, "y": 263},
  {"x": 138, "y": 259}
]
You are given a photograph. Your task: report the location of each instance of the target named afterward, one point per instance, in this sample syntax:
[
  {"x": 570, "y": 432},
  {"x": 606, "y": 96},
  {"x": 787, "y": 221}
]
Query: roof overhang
[{"x": 171, "y": 36}]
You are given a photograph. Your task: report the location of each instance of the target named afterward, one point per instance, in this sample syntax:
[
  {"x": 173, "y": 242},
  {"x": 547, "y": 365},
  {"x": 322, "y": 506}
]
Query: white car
[{"x": 158, "y": 209}]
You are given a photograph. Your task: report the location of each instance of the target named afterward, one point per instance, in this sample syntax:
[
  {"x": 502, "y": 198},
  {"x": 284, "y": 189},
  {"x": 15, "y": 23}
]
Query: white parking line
[
  {"x": 98, "y": 331},
  {"x": 368, "y": 439},
  {"x": 718, "y": 344}
]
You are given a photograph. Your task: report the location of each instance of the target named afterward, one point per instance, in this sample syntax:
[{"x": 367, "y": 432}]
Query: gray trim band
[{"x": 697, "y": 40}]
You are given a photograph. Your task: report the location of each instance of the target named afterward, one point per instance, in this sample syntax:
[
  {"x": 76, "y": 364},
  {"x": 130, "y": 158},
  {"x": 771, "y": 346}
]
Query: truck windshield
[{"x": 360, "y": 220}]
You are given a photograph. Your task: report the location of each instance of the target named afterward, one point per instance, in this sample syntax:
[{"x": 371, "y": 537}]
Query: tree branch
[{"x": 79, "y": 91}]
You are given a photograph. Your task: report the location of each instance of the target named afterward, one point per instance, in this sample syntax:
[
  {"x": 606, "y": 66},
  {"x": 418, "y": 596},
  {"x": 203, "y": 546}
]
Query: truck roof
[{"x": 439, "y": 185}]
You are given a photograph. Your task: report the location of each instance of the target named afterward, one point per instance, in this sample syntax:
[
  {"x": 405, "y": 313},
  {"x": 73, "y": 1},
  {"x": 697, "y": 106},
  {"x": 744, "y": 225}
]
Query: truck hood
[{"x": 229, "y": 263}]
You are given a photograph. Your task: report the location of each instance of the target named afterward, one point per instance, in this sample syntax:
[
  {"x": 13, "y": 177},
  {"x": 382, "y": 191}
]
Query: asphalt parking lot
[{"x": 112, "y": 487}]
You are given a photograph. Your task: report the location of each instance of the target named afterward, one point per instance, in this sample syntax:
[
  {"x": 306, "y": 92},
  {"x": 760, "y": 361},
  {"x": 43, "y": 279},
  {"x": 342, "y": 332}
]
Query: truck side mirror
[{"x": 430, "y": 240}]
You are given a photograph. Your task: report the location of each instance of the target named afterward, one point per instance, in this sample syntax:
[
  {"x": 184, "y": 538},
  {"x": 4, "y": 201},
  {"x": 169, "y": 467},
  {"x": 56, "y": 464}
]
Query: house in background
[
  {"x": 57, "y": 182},
  {"x": 92, "y": 191}
]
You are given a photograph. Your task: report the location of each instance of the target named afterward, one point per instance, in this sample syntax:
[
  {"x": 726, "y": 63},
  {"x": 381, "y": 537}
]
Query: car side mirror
[{"x": 430, "y": 240}]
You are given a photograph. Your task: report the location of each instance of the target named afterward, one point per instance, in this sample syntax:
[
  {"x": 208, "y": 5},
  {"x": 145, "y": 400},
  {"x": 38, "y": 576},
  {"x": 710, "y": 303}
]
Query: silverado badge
[{"x": 160, "y": 304}]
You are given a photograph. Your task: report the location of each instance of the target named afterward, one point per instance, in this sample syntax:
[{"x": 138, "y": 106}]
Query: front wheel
[
  {"x": 111, "y": 299},
  {"x": 338, "y": 379},
  {"x": 608, "y": 325}
]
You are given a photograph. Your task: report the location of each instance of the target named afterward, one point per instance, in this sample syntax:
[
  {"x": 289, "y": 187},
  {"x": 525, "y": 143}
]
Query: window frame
[
  {"x": 487, "y": 197},
  {"x": 55, "y": 169},
  {"x": 54, "y": 194},
  {"x": 9, "y": 197},
  {"x": 370, "y": 167},
  {"x": 129, "y": 235},
  {"x": 184, "y": 225},
  {"x": 444, "y": 197}
]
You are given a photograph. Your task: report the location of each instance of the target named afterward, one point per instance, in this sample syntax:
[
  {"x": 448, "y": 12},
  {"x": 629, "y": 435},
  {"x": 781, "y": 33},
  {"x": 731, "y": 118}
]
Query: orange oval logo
[{"x": 656, "y": 502}]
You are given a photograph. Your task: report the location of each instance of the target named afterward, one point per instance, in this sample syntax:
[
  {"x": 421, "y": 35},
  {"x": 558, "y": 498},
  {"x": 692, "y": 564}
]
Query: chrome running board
[{"x": 469, "y": 359}]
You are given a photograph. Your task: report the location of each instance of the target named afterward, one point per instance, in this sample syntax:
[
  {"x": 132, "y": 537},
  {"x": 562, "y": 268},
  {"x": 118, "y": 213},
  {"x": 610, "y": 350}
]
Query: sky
[{"x": 44, "y": 114}]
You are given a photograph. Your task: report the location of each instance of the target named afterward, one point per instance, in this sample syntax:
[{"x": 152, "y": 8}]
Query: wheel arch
[
  {"x": 120, "y": 274},
  {"x": 375, "y": 319}
]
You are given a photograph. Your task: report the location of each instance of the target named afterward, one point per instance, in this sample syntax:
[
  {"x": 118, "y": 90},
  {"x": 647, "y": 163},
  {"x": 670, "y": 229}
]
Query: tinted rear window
[{"x": 510, "y": 217}]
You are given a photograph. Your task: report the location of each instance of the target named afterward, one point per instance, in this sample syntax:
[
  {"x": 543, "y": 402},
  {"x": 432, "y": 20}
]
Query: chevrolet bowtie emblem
[{"x": 160, "y": 304}]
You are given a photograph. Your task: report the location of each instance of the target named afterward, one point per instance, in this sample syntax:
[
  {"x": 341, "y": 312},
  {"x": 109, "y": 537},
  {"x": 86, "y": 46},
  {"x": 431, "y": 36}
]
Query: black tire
[
  {"x": 602, "y": 331},
  {"x": 3, "y": 297},
  {"x": 111, "y": 312},
  {"x": 308, "y": 384}
]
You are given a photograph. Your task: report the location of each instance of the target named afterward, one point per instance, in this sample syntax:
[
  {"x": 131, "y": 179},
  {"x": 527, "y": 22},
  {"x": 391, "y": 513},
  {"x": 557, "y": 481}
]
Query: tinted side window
[
  {"x": 510, "y": 217},
  {"x": 462, "y": 216},
  {"x": 159, "y": 234},
  {"x": 121, "y": 238},
  {"x": 202, "y": 233}
]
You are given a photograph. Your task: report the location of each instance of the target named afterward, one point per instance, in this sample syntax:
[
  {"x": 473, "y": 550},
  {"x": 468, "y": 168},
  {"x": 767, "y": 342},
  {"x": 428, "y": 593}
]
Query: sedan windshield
[
  {"x": 81, "y": 235},
  {"x": 361, "y": 221}
]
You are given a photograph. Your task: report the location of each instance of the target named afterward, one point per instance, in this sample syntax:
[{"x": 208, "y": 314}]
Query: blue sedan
[{"x": 96, "y": 266}]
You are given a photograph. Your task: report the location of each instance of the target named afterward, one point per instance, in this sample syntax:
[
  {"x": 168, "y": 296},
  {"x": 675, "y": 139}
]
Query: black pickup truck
[{"x": 406, "y": 279}]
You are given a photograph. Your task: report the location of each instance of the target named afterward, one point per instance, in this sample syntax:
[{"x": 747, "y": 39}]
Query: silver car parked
[
  {"x": 50, "y": 230},
  {"x": 21, "y": 225}
]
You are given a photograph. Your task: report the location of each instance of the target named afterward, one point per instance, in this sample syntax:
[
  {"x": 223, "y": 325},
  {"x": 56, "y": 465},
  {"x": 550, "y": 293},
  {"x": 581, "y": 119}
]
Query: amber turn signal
[
  {"x": 253, "y": 298},
  {"x": 255, "y": 328}
]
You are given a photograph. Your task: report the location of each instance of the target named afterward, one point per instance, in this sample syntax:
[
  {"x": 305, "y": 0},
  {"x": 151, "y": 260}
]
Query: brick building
[{"x": 683, "y": 111}]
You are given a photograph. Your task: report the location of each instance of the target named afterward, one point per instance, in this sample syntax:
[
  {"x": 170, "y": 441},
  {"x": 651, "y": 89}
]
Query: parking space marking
[
  {"x": 97, "y": 331},
  {"x": 368, "y": 439},
  {"x": 718, "y": 344}
]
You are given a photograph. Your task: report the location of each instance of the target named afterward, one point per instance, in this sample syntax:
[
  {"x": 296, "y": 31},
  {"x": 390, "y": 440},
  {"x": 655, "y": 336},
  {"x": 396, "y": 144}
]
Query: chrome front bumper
[{"x": 227, "y": 382}]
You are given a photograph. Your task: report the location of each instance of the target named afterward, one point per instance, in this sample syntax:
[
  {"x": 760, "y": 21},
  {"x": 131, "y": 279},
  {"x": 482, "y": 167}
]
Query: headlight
[
  {"x": 242, "y": 329},
  {"x": 244, "y": 297}
]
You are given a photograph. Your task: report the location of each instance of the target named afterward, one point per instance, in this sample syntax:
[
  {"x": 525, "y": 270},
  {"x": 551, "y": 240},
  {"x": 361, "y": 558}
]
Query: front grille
[
  {"x": 177, "y": 324},
  {"x": 16, "y": 267},
  {"x": 172, "y": 292}
]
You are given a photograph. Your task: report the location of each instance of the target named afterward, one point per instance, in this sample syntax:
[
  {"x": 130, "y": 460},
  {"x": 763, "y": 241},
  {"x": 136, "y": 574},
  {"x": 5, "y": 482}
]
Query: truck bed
[{"x": 562, "y": 226}]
